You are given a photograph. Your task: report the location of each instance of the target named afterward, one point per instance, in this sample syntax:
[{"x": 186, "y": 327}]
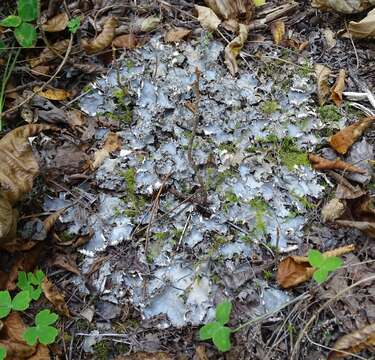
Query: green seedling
[
  {"x": 42, "y": 331},
  {"x": 323, "y": 265},
  {"x": 74, "y": 24},
  {"x": 19, "y": 303},
  {"x": 24, "y": 32},
  {"x": 31, "y": 282},
  {"x": 216, "y": 330}
]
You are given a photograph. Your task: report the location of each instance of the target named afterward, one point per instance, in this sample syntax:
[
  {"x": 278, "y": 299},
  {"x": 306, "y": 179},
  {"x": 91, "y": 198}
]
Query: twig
[
  {"x": 352, "y": 42},
  {"x": 63, "y": 62},
  {"x": 316, "y": 314}
]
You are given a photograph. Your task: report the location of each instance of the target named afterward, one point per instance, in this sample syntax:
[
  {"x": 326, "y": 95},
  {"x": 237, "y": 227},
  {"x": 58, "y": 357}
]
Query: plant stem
[{"x": 7, "y": 73}]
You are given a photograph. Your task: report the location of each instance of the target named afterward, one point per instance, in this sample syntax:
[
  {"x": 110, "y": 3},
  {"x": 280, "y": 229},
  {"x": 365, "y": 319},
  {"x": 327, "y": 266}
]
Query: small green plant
[
  {"x": 270, "y": 106},
  {"x": 31, "y": 282},
  {"x": 42, "y": 331},
  {"x": 19, "y": 303},
  {"x": 74, "y": 24},
  {"x": 323, "y": 265},
  {"x": 24, "y": 32},
  {"x": 3, "y": 353},
  {"x": 216, "y": 330}
]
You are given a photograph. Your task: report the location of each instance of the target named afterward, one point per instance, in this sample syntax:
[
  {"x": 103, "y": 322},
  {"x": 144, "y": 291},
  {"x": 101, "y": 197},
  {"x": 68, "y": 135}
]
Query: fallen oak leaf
[
  {"x": 207, "y": 18},
  {"x": 232, "y": 50},
  {"x": 345, "y": 138},
  {"x": 56, "y": 23},
  {"x": 55, "y": 297},
  {"x": 338, "y": 88},
  {"x": 353, "y": 343},
  {"x": 320, "y": 163},
  {"x": 322, "y": 73},
  {"x": 103, "y": 40},
  {"x": 176, "y": 34},
  {"x": 52, "y": 94}
]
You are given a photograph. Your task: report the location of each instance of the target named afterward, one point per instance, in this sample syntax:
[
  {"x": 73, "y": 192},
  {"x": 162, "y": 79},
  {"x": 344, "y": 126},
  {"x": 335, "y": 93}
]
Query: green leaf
[
  {"x": 316, "y": 258},
  {"x": 221, "y": 338},
  {"x": 74, "y": 24},
  {"x": 35, "y": 293},
  {"x": 22, "y": 282},
  {"x": 28, "y": 9},
  {"x": 331, "y": 263},
  {"x": 30, "y": 335},
  {"x": 320, "y": 275},
  {"x": 223, "y": 312},
  {"x": 5, "y": 303},
  {"x": 45, "y": 317},
  {"x": 11, "y": 21},
  {"x": 21, "y": 301},
  {"x": 259, "y": 2},
  {"x": 207, "y": 331},
  {"x": 26, "y": 35},
  {"x": 47, "y": 334},
  {"x": 3, "y": 353},
  {"x": 39, "y": 275}
]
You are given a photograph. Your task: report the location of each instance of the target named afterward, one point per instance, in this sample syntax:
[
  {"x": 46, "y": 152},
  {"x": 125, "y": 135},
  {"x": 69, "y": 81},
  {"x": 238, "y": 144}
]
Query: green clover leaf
[
  {"x": 316, "y": 258},
  {"x": 207, "y": 331},
  {"x": 28, "y": 9},
  {"x": 320, "y": 276},
  {"x": 21, "y": 301},
  {"x": 223, "y": 311},
  {"x": 331, "y": 263},
  {"x": 43, "y": 332},
  {"x": 11, "y": 21},
  {"x": 5, "y": 303},
  {"x": 26, "y": 35},
  {"x": 221, "y": 338},
  {"x": 323, "y": 265},
  {"x": 3, "y": 353},
  {"x": 74, "y": 24},
  {"x": 22, "y": 282}
]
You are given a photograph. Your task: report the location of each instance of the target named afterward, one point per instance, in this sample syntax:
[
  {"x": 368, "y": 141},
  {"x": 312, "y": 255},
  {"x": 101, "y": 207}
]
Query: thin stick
[{"x": 63, "y": 62}]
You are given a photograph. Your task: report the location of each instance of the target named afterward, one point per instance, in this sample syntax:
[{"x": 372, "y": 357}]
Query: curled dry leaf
[
  {"x": 207, "y": 18},
  {"x": 322, "y": 73},
  {"x": 295, "y": 270},
  {"x": 338, "y": 88},
  {"x": 345, "y": 138},
  {"x": 238, "y": 10},
  {"x": 66, "y": 262},
  {"x": 233, "y": 49},
  {"x": 333, "y": 210},
  {"x": 320, "y": 163},
  {"x": 103, "y": 40},
  {"x": 176, "y": 34},
  {"x": 57, "y": 23},
  {"x": 278, "y": 31},
  {"x": 52, "y": 94},
  {"x": 127, "y": 41},
  {"x": 343, "y": 6},
  {"x": 353, "y": 343},
  {"x": 365, "y": 28},
  {"x": 50, "y": 54},
  {"x": 112, "y": 143},
  {"x": 55, "y": 297}
]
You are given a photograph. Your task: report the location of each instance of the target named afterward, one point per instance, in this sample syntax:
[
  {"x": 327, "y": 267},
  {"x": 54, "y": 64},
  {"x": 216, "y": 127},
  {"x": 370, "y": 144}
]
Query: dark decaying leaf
[
  {"x": 55, "y": 297},
  {"x": 353, "y": 343},
  {"x": 103, "y": 40},
  {"x": 338, "y": 88},
  {"x": 47, "y": 54}
]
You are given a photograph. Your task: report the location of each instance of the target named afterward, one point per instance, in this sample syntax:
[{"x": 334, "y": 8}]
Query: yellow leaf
[{"x": 52, "y": 94}]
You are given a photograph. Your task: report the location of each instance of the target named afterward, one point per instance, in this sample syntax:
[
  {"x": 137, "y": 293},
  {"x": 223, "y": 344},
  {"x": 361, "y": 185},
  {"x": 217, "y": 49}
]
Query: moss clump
[
  {"x": 129, "y": 177},
  {"x": 270, "y": 107},
  {"x": 261, "y": 207},
  {"x": 290, "y": 155},
  {"x": 101, "y": 350},
  {"x": 305, "y": 70},
  {"x": 229, "y": 147},
  {"x": 217, "y": 242},
  {"x": 329, "y": 113}
]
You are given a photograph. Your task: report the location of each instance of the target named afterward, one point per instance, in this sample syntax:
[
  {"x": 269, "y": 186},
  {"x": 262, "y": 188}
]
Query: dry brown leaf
[
  {"x": 365, "y": 28},
  {"x": 333, "y": 210},
  {"x": 338, "y": 88},
  {"x": 127, "y": 41},
  {"x": 50, "y": 54},
  {"x": 50, "y": 221},
  {"x": 320, "y": 163},
  {"x": 41, "y": 70},
  {"x": 75, "y": 118},
  {"x": 57, "y": 23},
  {"x": 238, "y": 10},
  {"x": 345, "y": 138},
  {"x": 207, "y": 18},
  {"x": 322, "y": 73},
  {"x": 52, "y": 94},
  {"x": 147, "y": 24},
  {"x": 233, "y": 49},
  {"x": 112, "y": 143},
  {"x": 8, "y": 220},
  {"x": 55, "y": 297},
  {"x": 343, "y": 6},
  {"x": 146, "y": 356},
  {"x": 176, "y": 34},
  {"x": 278, "y": 31},
  {"x": 353, "y": 343},
  {"x": 66, "y": 262},
  {"x": 364, "y": 226},
  {"x": 103, "y": 40}
]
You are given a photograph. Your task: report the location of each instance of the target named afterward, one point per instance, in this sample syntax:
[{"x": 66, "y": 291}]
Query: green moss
[
  {"x": 101, "y": 350},
  {"x": 306, "y": 203},
  {"x": 261, "y": 207},
  {"x": 217, "y": 242},
  {"x": 329, "y": 113},
  {"x": 160, "y": 236},
  {"x": 129, "y": 177},
  {"x": 270, "y": 107},
  {"x": 230, "y": 197},
  {"x": 229, "y": 147},
  {"x": 305, "y": 70},
  {"x": 267, "y": 275},
  {"x": 259, "y": 204},
  {"x": 290, "y": 155},
  {"x": 117, "y": 212},
  {"x": 87, "y": 88}
]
